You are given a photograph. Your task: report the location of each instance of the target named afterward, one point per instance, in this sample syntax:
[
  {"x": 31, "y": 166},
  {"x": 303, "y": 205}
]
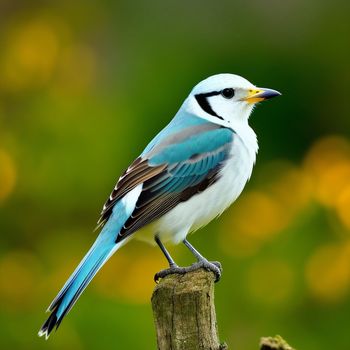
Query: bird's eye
[{"x": 228, "y": 93}]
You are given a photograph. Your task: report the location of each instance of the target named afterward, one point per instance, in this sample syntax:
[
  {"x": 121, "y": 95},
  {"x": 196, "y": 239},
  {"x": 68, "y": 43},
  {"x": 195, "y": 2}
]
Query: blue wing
[
  {"x": 173, "y": 168},
  {"x": 182, "y": 160}
]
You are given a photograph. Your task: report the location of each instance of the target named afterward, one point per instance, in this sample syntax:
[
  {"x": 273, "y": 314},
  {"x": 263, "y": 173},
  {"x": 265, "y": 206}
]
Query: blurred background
[{"x": 85, "y": 85}]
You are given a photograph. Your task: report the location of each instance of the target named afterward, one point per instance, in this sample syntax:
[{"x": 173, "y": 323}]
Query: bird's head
[{"x": 226, "y": 98}]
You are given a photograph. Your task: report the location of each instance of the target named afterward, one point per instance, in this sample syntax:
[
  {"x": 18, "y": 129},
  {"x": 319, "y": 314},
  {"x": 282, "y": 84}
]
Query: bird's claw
[
  {"x": 170, "y": 271},
  {"x": 213, "y": 266}
]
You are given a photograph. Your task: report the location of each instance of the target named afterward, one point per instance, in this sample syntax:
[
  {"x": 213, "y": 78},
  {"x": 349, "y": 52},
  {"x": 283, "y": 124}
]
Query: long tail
[
  {"x": 103, "y": 248},
  {"x": 100, "y": 252}
]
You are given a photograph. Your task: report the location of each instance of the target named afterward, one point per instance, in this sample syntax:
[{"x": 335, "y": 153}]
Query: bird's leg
[
  {"x": 173, "y": 267},
  {"x": 171, "y": 261},
  {"x": 202, "y": 262}
]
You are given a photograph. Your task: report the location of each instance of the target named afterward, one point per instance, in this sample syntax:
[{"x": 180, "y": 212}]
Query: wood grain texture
[{"x": 184, "y": 312}]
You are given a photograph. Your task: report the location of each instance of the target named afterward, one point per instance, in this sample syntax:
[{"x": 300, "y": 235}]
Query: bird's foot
[
  {"x": 174, "y": 269},
  {"x": 213, "y": 266}
]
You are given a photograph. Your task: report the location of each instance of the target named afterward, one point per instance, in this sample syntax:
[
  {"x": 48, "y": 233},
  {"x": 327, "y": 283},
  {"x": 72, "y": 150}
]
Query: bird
[{"x": 190, "y": 172}]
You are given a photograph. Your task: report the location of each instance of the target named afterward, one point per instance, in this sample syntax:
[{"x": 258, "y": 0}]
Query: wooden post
[
  {"x": 184, "y": 312},
  {"x": 274, "y": 343}
]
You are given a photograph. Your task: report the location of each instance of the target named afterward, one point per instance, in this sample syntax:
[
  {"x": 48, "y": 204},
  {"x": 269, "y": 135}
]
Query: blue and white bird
[{"x": 186, "y": 176}]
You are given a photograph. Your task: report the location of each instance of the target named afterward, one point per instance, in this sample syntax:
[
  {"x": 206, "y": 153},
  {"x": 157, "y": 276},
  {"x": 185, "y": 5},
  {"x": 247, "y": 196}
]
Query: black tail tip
[{"x": 48, "y": 326}]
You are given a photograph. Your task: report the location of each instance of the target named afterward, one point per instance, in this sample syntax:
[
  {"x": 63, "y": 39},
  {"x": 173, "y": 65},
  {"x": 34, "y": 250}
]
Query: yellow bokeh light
[
  {"x": 328, "y": 162},
  {"x": 141, "y": 292},
  {"x": 129, "y": 275},
  {"x": 270, "y": 282},
  {"x": 30, "y": 55},
  {"x": 325, "y": 152},
  {"x": 328, "y": 272},
  {"x": 7, "y": 175},
  {"x": 292, "y": 187},
  {"x": 343, "y": 206},
  {"x": 258, "y": 215}
]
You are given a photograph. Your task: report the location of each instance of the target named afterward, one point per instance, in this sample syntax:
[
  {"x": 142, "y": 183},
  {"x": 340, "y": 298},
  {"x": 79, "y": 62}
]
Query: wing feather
[
  {"x": 156, "y": 200},
  {"x": 171, "y": 174},
  {"x": 138, "y": 172}
]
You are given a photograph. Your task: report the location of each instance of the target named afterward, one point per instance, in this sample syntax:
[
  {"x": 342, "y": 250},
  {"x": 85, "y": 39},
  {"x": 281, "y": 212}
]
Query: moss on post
[{"x": 274, "y": 343}]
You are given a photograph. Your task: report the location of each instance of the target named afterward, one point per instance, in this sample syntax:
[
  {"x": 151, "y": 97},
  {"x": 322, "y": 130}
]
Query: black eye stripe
[
  {"x": 213, "y": 93},
  {"x": 205, "y": 105}
]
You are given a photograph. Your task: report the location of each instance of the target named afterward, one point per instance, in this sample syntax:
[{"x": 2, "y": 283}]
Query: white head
[{"x": 226, "y": 99}]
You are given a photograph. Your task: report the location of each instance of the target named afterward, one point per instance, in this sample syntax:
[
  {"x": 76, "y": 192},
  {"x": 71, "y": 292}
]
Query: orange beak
[{"x": 260, "y": 94}]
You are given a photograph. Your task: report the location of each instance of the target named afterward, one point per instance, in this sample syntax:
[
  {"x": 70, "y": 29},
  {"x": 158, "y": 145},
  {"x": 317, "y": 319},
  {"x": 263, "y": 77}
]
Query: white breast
[{"x": 204, "y": 207}]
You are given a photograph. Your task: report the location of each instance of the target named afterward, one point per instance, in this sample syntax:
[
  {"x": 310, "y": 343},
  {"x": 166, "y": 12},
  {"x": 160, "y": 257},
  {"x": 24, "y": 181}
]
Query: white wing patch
[{"x": 130, "y": 199}]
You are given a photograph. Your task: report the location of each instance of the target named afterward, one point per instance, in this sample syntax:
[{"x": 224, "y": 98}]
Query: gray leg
[
  {"x": 193, "y": 250},
  {"x": 202, "y": 262},
  {"x": 165, "y": 252},
  {"x": 173, "y": 267}
]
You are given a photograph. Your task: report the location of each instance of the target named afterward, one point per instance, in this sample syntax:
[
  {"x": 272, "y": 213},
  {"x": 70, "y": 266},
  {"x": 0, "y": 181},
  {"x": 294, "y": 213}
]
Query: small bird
[{"x": 186, "y": 176}]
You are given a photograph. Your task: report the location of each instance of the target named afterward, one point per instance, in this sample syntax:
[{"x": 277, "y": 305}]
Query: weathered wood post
[{"x": 184, "y": 312}]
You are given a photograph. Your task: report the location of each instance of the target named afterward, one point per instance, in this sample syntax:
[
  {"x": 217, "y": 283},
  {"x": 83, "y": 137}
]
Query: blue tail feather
[
  {"x": 87, "y": 269},
  {"x": 103, "y": 248}
]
